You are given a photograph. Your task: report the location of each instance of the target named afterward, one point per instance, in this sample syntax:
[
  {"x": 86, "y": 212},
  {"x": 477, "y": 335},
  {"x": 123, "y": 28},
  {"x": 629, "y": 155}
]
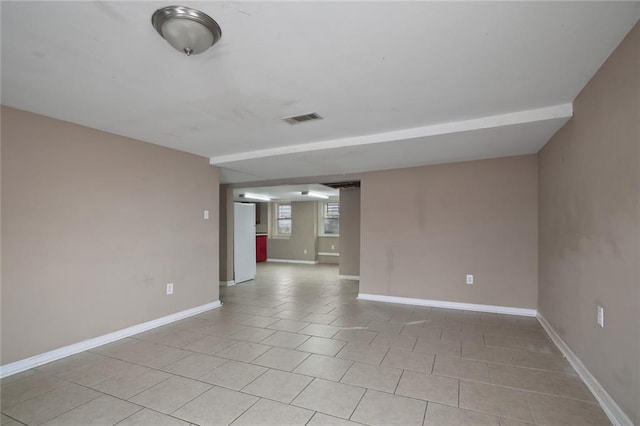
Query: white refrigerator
[{"x": 244, "y": 242}]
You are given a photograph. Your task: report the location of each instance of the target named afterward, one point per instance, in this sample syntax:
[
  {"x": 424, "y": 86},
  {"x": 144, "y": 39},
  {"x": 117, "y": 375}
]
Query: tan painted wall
[
  {"x": 94, "y": 226},
  {"x": 425, "y": 228},
  {"x": 350, "y": 232},
  {"x": 324, "y": 246},
  {"x": 304, "y": 217},
  {"x": 263, "y": 226},
  {"x": 226, "y": 233},
  {"x": 590, "y": 226},
  {"x": 325, "y": 243}
]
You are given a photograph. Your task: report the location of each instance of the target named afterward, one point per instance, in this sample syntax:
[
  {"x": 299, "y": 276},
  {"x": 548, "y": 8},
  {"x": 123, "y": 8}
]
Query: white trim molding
[
  {"x": 349, "y": 277},
  {"x": 36, "y": 360},
  {"x": 305, "y": 262},
  {"x": 329, "y": 254},
  {"x": 227, "y": 283},
  {"x": 609, "y": 406},
  {"x": 525, "y": 312}
]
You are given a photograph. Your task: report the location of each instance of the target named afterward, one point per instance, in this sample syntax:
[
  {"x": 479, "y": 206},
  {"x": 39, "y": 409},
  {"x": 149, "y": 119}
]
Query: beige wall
[
  {"x": 94, "y": 226},
  {"x": 425, "y": 228},
  {"x": 324, "y": 246},
  {"x": 226, "y": 233},
  {"x": 590, "y": 226},
  {"x": 262, "y": 227},
  {"x": 304, "y": 217},
  {"x": 350, "y": 232}
]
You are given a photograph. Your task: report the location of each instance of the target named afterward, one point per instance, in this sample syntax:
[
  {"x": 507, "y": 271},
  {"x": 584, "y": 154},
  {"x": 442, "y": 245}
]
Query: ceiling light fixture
[
  {"x": 187, "y": 30},
  {"x": 255, "y": 197},
  {"x": 314, "y": 194}
]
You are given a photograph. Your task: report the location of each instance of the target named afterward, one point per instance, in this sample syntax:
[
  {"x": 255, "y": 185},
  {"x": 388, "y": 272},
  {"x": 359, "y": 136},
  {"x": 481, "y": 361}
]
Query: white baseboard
[
  {"x": 306, "y": 262},
  {"x": 609, "y": 406},
  {"x": 329, "y": 254},
  {"x": 227, "y": 283},
  {"x": 449, "y": 305},
  {"x": 349, "y": 277},
  {"x": 36, "y": 360}
]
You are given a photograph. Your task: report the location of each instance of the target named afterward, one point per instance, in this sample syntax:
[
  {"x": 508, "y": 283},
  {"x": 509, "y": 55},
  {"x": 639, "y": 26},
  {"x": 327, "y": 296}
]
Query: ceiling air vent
[{"x": 297, "y": 119}]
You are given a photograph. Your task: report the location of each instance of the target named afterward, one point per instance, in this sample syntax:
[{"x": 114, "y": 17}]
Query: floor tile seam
[
  {"x": 554, "y": 352},
  {"x": 241, "y": 414},
  {"x": 142, "y": 391},
  {"x": 146, "y": 366},
  {"x": 58, "y": 374},
  {"x": 171, "y": 346},
  {"x": 467, "y": 379},
  {"x": 158, "y": 369},
  {"x": 399, "y": 380},
  {"x": 346, "y": 371},
  {"x": 534, "y": 369},
  {"x": 140, "y": 407},
  {"x": 530, "y": 410},
  {"x": 499, "y": 416},
  {"x": 280, "y": 369},
  {"x": 13, "y": 419},
  {"x": 355, "y": 407},
  {"x": 316, "y": 377},
  {"x": 42, "y": 393},
  {"x": 73, "y": 408},
  {"x": 252, "y": 380},
  {"x": 286, "y": 403},
  {"x": 532, "y": 392},
  {"x": 67, "y": 383},
  {"x": 418, "y": 398},
  {"x": 424, "y": 416}
]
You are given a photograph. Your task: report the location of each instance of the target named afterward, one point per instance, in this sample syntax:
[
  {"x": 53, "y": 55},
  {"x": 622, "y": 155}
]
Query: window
[
  {"x": 329, "y": 219},
  {"x": 282, "y": 220}
]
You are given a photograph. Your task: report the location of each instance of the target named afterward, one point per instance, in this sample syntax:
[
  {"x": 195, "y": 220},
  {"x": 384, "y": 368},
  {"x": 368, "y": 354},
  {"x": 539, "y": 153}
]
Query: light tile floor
[{"x": 295, "y": 347}]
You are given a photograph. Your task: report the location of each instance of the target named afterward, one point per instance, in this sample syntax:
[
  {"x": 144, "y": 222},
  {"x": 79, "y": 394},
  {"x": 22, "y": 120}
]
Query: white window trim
[
  {"x": 273, "y": 223},
  {"x": 321, "y": 233}
]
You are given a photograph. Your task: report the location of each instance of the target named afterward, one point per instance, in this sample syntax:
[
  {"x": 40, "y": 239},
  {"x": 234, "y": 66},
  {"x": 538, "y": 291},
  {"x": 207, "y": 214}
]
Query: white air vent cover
[{"x": 296, "y": 119}]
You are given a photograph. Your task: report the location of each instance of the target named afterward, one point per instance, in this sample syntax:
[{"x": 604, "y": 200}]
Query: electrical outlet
[
  {"x": 600, "y": 316},
  {"x": 469, "y": 279},
  {"x": 305, "y": 251},
  {"x": 170, "y": 288},
  {"x": 333, "y": 247},
  {"x": 206, "y": 215}
]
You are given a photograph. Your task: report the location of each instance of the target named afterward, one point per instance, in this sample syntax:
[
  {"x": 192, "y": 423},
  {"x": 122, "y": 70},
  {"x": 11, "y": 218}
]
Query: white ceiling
[
  {"x": 288, "y": 192},
  {"x": 398, "y": 84}
]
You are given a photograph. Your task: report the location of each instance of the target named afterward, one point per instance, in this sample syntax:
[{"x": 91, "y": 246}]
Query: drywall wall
[
  {"x": 304, "y": 218},
  {"x": 329, "y": 245},
  {"x": 94, "y": 226},
  {"x": 226, "y": 234},
  {"x": 350, "y": 232},
  {"x": 425, "y": 228},
  {"x": 590, "y": 226},
  {"x": 262, "y": 213}
]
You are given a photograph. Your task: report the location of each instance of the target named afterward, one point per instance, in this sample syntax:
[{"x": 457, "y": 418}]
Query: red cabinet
[{"x": 261, "y": 248}]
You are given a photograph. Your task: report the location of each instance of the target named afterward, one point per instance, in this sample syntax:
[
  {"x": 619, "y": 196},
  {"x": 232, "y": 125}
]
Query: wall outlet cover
[
  {"x": 469, "y": 279},
  {"x": 170, "y": 288}
]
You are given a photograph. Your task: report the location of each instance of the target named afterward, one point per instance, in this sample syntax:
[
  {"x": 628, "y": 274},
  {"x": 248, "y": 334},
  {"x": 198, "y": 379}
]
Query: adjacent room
[{"x": 320, "y": 213}]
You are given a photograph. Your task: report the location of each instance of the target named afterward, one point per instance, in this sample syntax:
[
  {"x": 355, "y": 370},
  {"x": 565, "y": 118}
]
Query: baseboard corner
[
  {"x": 65, "y": 351},
  {"x": 613, "y": 411}
]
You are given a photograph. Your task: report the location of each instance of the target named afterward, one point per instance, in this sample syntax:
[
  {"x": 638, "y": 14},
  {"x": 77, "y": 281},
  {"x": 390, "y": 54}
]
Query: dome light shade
[{"x": 187, "y": 30}]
